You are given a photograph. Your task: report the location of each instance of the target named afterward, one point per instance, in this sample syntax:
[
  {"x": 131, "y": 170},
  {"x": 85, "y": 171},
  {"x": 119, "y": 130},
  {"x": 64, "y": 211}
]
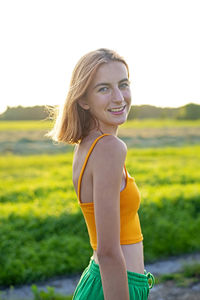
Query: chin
[{"x": 122, "y": 121}]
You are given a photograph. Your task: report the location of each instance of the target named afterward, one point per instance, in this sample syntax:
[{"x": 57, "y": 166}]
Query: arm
[{"x": 108, "y": 162}]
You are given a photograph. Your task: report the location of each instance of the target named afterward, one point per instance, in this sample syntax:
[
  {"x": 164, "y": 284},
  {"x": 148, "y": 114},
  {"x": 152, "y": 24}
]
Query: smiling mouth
[{"x": 118, "y": 109}]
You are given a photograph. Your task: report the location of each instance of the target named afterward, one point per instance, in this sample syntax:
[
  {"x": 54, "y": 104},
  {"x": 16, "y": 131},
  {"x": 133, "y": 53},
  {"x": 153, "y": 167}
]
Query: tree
[{"x": 190, "y": 111}]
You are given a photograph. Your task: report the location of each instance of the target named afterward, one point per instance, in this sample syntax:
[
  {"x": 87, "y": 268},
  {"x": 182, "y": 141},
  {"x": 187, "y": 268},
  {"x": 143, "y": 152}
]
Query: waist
[{"x": 133, "y": 255}]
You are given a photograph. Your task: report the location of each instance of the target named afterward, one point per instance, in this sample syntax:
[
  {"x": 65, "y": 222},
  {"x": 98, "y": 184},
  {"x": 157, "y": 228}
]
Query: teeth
[{"x": 117, "y": 109}]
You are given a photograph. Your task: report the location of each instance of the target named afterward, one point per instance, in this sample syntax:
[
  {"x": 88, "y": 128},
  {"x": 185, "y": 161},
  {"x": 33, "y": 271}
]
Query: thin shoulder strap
[
  {"x": 126, "y": 172},
  {"x": 85, "y": 163}
]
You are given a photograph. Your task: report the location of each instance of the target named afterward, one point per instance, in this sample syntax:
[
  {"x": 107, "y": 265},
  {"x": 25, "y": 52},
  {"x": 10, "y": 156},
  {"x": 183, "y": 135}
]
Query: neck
[
  {"x": 111, "y": 129},
  {"x": 104, "y": 131}
]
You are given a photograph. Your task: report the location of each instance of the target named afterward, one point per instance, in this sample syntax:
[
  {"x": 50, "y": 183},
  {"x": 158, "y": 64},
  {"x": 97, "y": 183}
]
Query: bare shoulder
[{"x": 110, "y": 147}]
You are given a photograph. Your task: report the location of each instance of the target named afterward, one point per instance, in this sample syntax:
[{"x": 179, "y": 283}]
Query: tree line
[{"x": 189, "y": 111}]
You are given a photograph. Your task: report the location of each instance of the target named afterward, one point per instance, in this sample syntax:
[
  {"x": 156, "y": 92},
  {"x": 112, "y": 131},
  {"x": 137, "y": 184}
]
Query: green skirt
[{"x": 90, "y": 287}]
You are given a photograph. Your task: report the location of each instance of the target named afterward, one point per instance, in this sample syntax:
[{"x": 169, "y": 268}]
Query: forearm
[{"x": 114, "y": 277}]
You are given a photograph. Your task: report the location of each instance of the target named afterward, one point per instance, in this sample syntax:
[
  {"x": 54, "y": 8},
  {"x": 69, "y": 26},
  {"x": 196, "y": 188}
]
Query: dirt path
[
  {"x": 169, "y": 291},
  {"x": 166, "y": 291}
]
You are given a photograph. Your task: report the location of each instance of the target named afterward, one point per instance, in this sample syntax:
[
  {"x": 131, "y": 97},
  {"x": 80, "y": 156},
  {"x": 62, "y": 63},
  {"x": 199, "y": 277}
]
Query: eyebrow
[{"x": 105, "y": 83}]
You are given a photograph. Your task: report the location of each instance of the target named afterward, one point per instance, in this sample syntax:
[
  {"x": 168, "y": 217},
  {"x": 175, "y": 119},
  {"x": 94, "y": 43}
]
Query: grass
[
  {"x": 137, "y": 123},
  {"x": 189, "y": 275},
  {"x": 160, "y": 123},
  {"x": 39, "y": 212},
  {"x": 49, "y": 294},
  {"x": 25, "y": 125},
  {"x": 28, "y": 137}
]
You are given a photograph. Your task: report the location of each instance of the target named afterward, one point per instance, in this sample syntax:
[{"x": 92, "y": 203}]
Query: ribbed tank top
[{"x": 130, "y": 230}]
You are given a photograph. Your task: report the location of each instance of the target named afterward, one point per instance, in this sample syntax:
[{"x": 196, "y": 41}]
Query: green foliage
[
  {"x": 151, "y": 112},
  {"x": 43, "y": 232},
  {"x": 28, "y": 137},
  {"x": 192, "y": 270},
  {"x": 25, "y": 113},
  {"x": 170, "y": 210},
  {"x": 169, "y": 225},
  {"x": 189, "y": 275},
  {"x": 49, "y": 295},
  {"x": 145, "y": 123},
  {"x": 190, "y": 111},
  {"x": 25, "y": 125},
  {"x": 158, "y": 123}
]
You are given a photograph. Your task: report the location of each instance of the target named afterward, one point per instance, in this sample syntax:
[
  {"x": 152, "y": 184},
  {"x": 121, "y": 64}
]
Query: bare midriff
[{"x": 133, "y": 254}]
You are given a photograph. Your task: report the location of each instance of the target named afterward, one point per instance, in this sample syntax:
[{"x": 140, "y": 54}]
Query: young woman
[{"x": 98, "y": 101}]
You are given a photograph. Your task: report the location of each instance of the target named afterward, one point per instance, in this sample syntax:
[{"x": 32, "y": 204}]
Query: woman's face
[{"x": 109, "y": 97}]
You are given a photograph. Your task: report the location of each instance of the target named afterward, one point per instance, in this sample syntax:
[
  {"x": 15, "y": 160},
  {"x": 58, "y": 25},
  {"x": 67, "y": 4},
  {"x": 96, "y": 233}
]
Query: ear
[{"x": 83, "y": 103}]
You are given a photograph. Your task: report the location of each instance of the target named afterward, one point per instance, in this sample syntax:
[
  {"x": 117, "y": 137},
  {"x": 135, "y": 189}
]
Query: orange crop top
[{"x": 130, "y": 230}]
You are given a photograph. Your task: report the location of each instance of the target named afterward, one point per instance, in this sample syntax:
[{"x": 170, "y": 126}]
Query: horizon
[
  {"x": 31, "y": 106},
  {"x": 37, "y": 60}
]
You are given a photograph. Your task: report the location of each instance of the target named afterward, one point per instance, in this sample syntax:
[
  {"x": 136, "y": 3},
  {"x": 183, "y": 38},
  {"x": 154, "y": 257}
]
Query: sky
[{"x": 42, "y": 40}]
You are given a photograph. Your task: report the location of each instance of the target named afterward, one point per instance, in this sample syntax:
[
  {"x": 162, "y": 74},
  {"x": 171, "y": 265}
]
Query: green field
[
  {"x": 28, "y": 137},
  {"x": 146, "y": 123},
  {"x": 43, "y": 233}
]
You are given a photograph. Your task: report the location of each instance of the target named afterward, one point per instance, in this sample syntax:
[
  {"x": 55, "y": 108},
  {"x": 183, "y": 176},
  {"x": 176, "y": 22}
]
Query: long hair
[{"x": 72, "y": 122}]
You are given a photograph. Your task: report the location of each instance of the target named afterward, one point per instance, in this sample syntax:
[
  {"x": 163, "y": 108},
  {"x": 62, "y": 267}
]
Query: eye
[
  {"x": 103, "y": 89},
  {"x": 124, "y": 85}
]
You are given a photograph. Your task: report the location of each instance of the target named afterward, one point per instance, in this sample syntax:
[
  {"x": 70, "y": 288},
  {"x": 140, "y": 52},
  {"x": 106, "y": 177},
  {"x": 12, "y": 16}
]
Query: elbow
[{"x": 105, "y": 253}]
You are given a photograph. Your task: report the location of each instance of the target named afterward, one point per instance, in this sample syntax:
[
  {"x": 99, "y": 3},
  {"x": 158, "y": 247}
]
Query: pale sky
[{"x": 41, "y": 41}]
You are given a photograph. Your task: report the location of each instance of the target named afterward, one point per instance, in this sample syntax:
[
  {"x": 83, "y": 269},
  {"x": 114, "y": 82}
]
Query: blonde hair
[{"x": 72, "y": 122}]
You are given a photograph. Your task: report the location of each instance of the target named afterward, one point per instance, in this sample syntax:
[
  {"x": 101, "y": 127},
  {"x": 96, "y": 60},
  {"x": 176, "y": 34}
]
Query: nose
[{"x": 117, "y": 95}]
